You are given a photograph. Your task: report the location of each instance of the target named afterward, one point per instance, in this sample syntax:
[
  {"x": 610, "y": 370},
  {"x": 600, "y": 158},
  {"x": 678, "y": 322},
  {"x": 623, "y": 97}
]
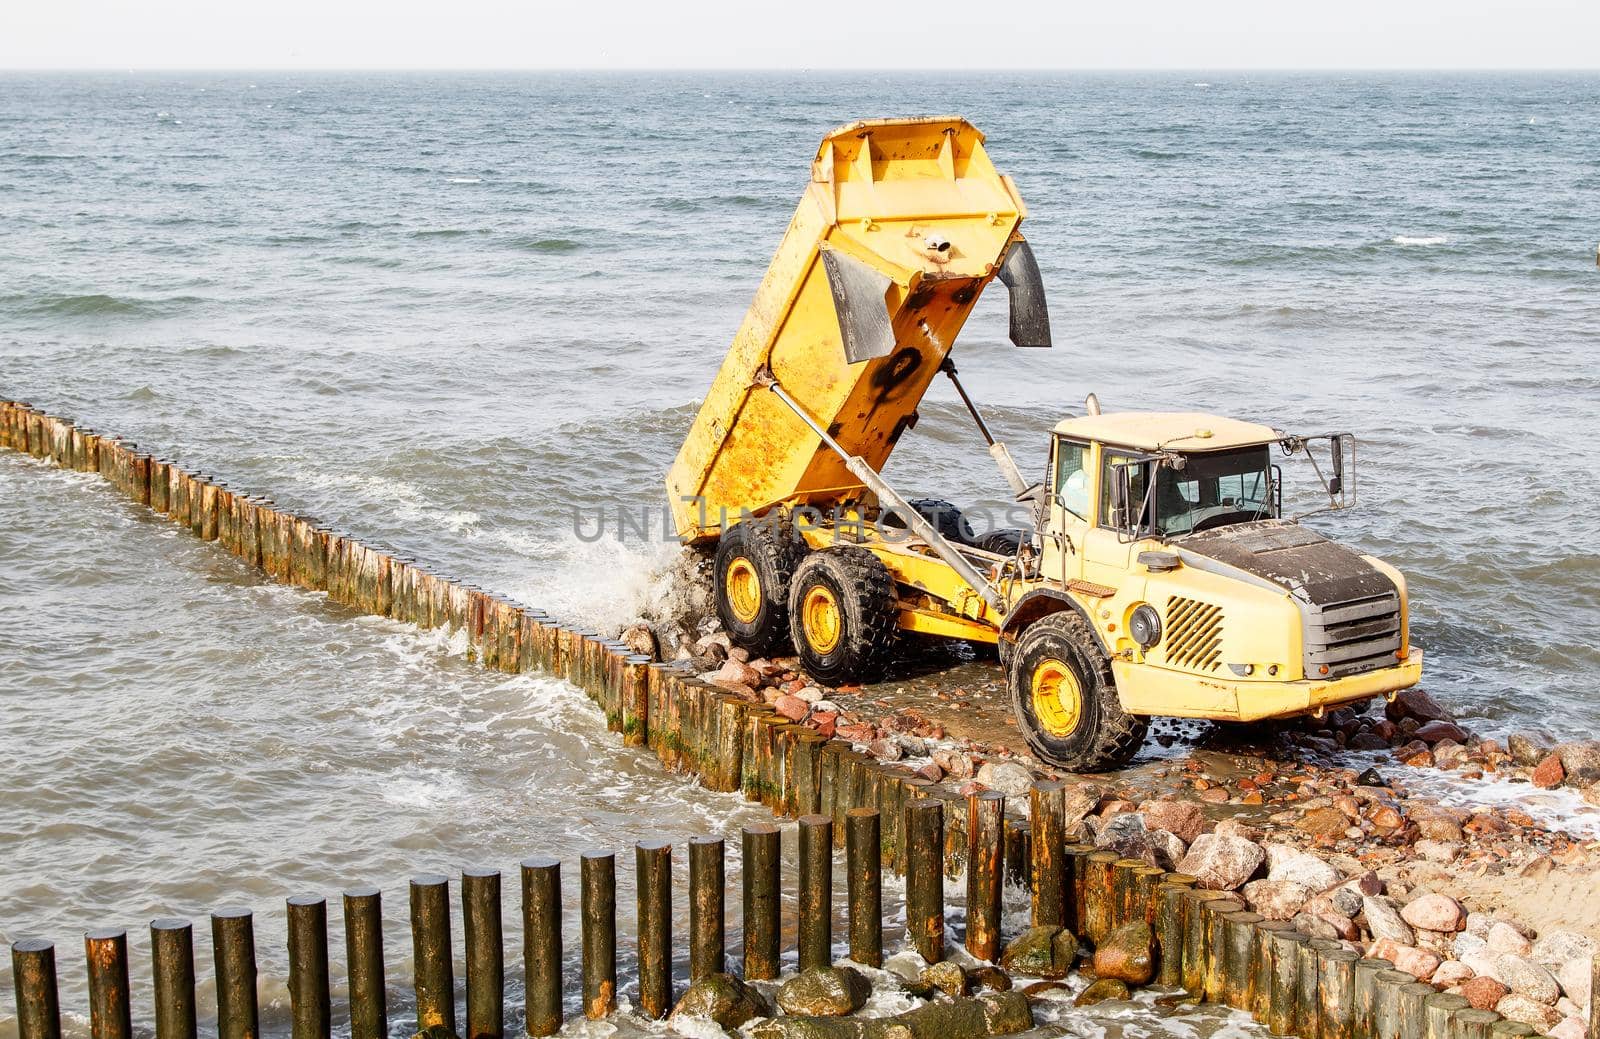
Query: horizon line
[{"x": 850, "y": 70}]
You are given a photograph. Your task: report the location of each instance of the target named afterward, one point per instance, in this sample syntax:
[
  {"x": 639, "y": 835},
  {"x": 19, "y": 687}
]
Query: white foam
[
  {"x": 1562, "y": 809},
  {"x": 466, "y": 180},
  {"x": 1401, "y": 239}
]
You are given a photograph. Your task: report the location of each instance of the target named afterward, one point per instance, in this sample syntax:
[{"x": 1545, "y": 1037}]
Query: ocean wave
[
  {"x": 466, "y": 180},
  {"x": 101, "y": 305},
  {"x": 546, "y": 245},
  {"x": 1401, "y": 239}
]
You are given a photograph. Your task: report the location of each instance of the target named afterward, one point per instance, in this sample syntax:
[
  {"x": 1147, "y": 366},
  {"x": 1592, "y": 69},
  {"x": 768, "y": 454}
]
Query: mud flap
[
  {"x": 859, "y": 299},
  {"x": 1030, "y": 319}
]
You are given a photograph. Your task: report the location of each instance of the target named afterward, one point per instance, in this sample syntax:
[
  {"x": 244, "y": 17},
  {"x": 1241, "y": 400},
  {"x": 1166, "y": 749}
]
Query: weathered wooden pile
[{"x": 887, "y": 819}]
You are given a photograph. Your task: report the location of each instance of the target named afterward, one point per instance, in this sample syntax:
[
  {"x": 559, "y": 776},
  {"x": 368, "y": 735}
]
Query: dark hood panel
[{"x": 1316, "y": 571}]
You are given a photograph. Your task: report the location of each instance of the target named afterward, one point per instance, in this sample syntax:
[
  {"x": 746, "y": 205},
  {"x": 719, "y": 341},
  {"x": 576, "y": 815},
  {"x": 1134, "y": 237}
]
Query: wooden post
[
  {"x": 1364, "y": 994},
  {"x": 654, "y": 863},
  {"x": 172, "y": 971},
  {"x": 1413, "y": 1012},
  {"x": 1238, "y": 970},
  {"x": 483, "y": 927},
  {"x": 541, "y": 944},
  {"x": 599, "y": 895},
  {"x": 986, "y": 812},
  {"x": 1261, "y": 967},
  {"x": 925, "y": 877},
  {"x": 434, "y": 979},
  {"x": 1475, "y": 1024},
  {"x": 1169, "y": 930},
  {"x": 1336, "y": 985},
  {"x": 707, "y": 921},
  {"x": 233, "y": 939},
  {"x": 1098, "y": 896},
  {"x": 760, "y": 863},
  {"x": 1047, "y": 807},
  {"x": 1387, "y": 1023},
  {"x": 816, "y": 891},
  {"x": 864, "y": 865},
  {"x": 110, "y": 1013},
  {"x": 363, "y": 942},
  {"x": 33, "y": 972},
  {"x": 311, "y": 1008},
  {"x": 1440, "y": 1010},
  {"x": 1283, "y": 1013}
]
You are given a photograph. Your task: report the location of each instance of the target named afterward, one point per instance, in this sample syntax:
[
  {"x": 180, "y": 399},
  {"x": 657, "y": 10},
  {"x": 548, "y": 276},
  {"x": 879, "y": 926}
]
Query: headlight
[{"x": 1145, "y": 625}]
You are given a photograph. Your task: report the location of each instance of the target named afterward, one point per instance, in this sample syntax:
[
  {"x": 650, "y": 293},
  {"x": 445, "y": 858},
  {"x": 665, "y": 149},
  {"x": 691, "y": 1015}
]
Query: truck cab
[{"x": 1166, "y": 533}]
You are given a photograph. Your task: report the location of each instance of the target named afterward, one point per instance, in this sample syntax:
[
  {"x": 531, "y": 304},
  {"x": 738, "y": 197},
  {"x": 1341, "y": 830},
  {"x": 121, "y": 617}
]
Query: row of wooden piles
[{"x": 887, "y": 820}]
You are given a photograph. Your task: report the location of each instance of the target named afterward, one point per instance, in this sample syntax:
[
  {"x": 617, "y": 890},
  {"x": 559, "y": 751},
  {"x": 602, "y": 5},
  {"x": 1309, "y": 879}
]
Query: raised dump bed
[{"x": 903, "y": 225}]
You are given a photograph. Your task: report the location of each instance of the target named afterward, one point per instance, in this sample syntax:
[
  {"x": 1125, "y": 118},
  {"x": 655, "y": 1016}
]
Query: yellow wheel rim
[
  {"x": 744, "y": 589},
  {"x": 1057, "y": 697},
  {"x": 820, "y": 614}
]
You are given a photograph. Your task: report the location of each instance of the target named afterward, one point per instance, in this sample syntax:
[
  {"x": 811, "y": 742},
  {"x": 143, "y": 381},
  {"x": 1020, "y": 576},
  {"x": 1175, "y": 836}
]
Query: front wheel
[
  {"x": 844, "y": 616},
  {"x": 1065, "y": 698}
]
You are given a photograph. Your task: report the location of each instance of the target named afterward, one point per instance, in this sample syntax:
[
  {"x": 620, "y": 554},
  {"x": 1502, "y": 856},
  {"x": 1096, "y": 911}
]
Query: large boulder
[
  {"x": 1301, "y": 867},
  {"x": 1183, "y": 818},
  {"x": 1221, "y": 863},
  {"x": 1102, "y": 990},
  {"x": 1483, "y": 992},
  {"x": 1557, "y": 947},
  {"x": 1008, "y": 777},
  {"x": 1527, "y": 978},
  {"x": 724, "y": 999},
  {"x": 1576, "y": 978},
  {"x": 1164, "y": 850},
  {"x": 824, "y": 992},
  {"x": 1529, "y": 748},
  {"x": 1276, "y": 899},
  {"x": 1414, "y": 703},
  {"x": 1037, "y": 953},
  {"x": 1384, "y": 920},
  {"x": 1433, "y": 912},
  {"x": 1504, "y": 938},
  {"x": 1581, "y": 761},
  {"x": 1127, "y": 954},
  {"x": 1124, "y": 834},
  {"x": 1518, "y": 1007}
]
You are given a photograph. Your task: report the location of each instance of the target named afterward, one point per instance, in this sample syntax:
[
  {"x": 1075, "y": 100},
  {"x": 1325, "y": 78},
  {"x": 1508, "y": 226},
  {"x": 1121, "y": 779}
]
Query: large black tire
[
  {"x": 1003, "y": 542},
  {"x": 945, "y": 518},
  {"x": 1073, "y": 718},
  {"x": 755, "y": 563},
  {"x": 843, "y": 616}
]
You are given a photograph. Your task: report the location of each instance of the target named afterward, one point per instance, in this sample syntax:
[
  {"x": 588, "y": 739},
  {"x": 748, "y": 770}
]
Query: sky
[{"x": 932, "y": 35}]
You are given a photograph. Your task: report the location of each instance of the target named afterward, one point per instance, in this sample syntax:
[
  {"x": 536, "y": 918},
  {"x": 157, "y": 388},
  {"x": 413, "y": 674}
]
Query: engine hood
[
  {"x": 1307, "y": 565},
  {"x": 1351, "y": 612}
]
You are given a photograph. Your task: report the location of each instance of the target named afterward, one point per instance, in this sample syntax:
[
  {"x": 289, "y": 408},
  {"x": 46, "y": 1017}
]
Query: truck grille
[
  {"x": 1194, "y": 634},
  {"x": 1352, "y": 637}
]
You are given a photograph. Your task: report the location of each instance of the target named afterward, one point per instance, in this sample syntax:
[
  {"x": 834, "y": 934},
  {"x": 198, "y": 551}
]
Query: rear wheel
[
  {"x": 843, "y": 616},
  {"x": 1065, "y": 698},
  {"x": 755, "y": 564}
]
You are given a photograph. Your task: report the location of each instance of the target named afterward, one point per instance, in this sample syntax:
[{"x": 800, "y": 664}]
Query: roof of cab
[{"x": 1174, "y": 430}]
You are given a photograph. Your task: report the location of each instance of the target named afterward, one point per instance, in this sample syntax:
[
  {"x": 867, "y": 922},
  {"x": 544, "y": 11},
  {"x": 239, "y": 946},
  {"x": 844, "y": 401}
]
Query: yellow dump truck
[{"x": 1159, "y": 574}]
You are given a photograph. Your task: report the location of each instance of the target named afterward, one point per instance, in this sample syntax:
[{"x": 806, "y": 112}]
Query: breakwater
[{"x": 924, "y": 831}]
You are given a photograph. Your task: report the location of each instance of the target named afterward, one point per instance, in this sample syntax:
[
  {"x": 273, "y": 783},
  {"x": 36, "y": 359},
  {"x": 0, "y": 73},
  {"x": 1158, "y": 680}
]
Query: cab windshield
[{"x": 1213, "y": 490}]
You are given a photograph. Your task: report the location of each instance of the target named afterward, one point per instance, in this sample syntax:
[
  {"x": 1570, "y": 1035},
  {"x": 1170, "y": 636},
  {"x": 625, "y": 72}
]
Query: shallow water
[{"x": 449, "y": 313}]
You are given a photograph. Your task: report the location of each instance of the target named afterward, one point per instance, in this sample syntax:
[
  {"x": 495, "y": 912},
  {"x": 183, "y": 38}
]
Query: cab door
[
  {"x": 1106, "y": 550},
  {"x": 1071, "y": 511}
]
